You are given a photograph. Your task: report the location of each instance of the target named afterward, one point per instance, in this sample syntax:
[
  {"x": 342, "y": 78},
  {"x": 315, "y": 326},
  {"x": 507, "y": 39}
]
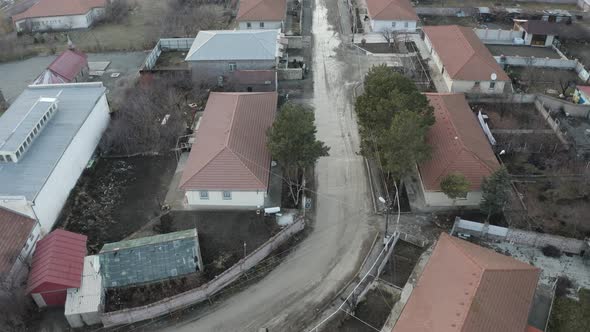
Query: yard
[
  {"x": 571, "y": 315},
  {"x": 116, "y": 197},
  {"x": 541, "y": 80},
  {"x": 468, "y": 21},
  {"x": 222, "y": 236},
  {"x": 401, "y": 263},
  {"x": 511, "y": 116}
]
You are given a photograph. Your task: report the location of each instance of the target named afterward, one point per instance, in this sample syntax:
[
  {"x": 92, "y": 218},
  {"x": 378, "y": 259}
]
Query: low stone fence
[
  {"x": 183, "y": 300},
  {"x": 290, "y": 74},
  {"x": 519, "y": 236}
]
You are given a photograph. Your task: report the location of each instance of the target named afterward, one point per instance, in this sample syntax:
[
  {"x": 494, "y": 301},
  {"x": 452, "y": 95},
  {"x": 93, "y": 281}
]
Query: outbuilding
[
  {"x": 537, "y": 33},
  {"x": 69, "y": 67},
  {"x": 83, "y": 304},
  {"x": 57, "y": 265},
  {"x": 51, "y": 15}
]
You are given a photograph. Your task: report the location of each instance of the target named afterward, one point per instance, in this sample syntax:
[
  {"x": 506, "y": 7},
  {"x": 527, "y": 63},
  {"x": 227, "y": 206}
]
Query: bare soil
[
  {"x": 540, "y": 80},
  {"x": 171, "y": 59},
  {"x": 512, "y": 116},
  {"x": 577, "y": 49},
  {"x": 372, "y": 310},
  {"x": 402, "y": 263},
  {"x": 116, "y": 198},
  {"x": 468, "y": 21}
]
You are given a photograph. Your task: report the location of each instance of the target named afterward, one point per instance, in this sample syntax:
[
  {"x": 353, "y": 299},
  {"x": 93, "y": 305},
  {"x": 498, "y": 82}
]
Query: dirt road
[{"x": 291, "y": 295}]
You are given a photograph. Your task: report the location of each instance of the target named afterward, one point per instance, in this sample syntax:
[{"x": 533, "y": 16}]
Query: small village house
[
  {"x": 463, "y": 60},
  {"x": 215, "y": 55},
  {"x": 465, "y": 287},
  {"x": 18, "y": 235},
  {"x": 57, "y": 266},
  {"x": 582, "y": 95},
  {"x": 50, "y": 15},
  {"x": 47, "y": 137},
  {"x": 228, "y": 166},
  {"x": 537, "y": 33},
  {"x": 392, "y": 15},
  {"x": 149, "y": 259},
  {"x": 458, "y": 146},
  {"x": 261, "y": 14},
  {"x": 69, "y": 67}
]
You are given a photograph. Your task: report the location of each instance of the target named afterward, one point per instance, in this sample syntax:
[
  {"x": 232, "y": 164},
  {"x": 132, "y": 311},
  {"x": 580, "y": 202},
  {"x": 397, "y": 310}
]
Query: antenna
[{"x": 493, "y": 76}]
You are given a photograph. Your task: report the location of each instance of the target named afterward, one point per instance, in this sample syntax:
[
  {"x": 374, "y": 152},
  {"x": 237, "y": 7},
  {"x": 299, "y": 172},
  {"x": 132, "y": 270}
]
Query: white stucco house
[
  {"x": 229, "y": 163},
  {"x": 215, "y": 55},
  {"x": 261, "y": 14},
  {"x": 47, "y": 137},
  {"x": 392, "y": 15},
  {"x": 459, "y": 146},
  {"x": 464, "y": 62},
  {"x": 48, "y": 15}
]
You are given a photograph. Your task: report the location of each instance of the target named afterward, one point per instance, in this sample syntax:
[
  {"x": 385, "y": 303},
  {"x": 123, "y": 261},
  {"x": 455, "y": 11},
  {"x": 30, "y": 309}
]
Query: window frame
[
  {"x": 204, "y": 194},
  {"x": 226, "y": 197}
]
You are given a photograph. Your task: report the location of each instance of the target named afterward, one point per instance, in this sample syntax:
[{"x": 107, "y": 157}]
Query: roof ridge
[
  {"x": 233, "y": 117},
  {"x": 255, "y": 35},
  {"x": 384, "y": 7},
  {"x": 240, "y": 156},
  {"x": 471, "y": 258},
  {"x": 205, "y": 165}
]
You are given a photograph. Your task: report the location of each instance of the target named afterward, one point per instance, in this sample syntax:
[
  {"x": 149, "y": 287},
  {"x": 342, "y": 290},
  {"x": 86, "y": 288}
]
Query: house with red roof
[
  {"x": 69, "y": 67},
  {"x": 459, "y": 146},
  {"x": 49, "y": 15},
  {"x": 57, "y": 266},
  {"x": 229, "y": 163},
  {"x": 464, "y": 62},
  {"x": 18, "y": 234},
  {"x": 464, "y": 288},
  {"x": 582, "y": 95},
  {"x": 261, "y": 14},
  {"x": 392, "y": 15}
]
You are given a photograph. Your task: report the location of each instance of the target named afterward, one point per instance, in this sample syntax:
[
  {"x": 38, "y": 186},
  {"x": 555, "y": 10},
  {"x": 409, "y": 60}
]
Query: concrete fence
[
  {"x": 183, "y": 300},
  {"x": 447, "y": 11},
  {"x": 518, "y": 236},
  {"x": 576, "y": 110},
  {"x": 298, "y": 42},
  {"x": 165, "y": 44},
  {"x": 289, "y": 74},
  {"x": 536, "y": 62},
  {"x": 497, "y": 36}
]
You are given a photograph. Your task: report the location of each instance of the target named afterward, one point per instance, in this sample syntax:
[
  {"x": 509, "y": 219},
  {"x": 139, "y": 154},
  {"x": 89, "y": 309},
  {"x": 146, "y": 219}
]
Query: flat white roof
[{"x": 87, "y": 298}]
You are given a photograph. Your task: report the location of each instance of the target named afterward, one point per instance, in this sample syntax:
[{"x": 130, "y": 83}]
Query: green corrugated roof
[{"x": 149, "y": 259}]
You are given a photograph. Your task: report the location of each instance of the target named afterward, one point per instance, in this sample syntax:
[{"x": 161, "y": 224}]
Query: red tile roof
[
  {"x": 458, "y": 142},
  {"x": 14, "y": 231},
  {"x": 57, "y": 262},
  {"x": 47, "y": 8},
  {"x": 391, "y": 10},
  {"x": 262, "y": 10},
  {"x": 69, "y": 64},
  {"x": 230, "y": 151},
  {"x": 463, "y": 54},
  {"x": 466, "y": 288},
  {"x": 584, "y": 88}
]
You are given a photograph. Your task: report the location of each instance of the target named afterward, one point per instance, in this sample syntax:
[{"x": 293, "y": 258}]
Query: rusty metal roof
[
  {"x": 465, "y": 288},
  {"x": 230, "y": 151},
  {"x": 458, "y": 143}
]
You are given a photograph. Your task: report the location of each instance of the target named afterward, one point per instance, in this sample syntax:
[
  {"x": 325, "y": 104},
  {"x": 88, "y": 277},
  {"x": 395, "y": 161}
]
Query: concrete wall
[
  {"x": 584, "y": 5},
  {"x": 497, "y": 36},
  {"x": 197, "y": 295},
  {"x": 379, "y": 25},
  {"x": 484, "y": 87},
  {"x": 270, "y": 25},
  {"x": 165, "y": 44},
  {"x": 60, "y": 22},
  {"x": 439, "y": 199},
  {"x": 447, "y": 11},
  {"x": 244, "y": 199},
  {"x": 211, "y": 70},
  {"x": 52, "y": 197},
  {"x": 289, "y": 74},
  {"x": 521, "y": 237},
  {"x": 536, "y": 62}
]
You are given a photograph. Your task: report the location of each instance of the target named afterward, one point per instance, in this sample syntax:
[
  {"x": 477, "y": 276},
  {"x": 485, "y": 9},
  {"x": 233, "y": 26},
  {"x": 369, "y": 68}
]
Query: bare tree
[
  {"x": 186, "y": 19},
  {"x": 564, "y": 85},
  {"x": 389, "y": 36}
]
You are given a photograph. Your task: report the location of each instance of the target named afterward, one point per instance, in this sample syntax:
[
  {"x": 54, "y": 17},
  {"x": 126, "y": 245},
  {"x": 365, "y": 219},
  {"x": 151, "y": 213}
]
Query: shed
[
  {"x": 70, "y": 66},
  {"x": 57, "y": 265},
  {"x": 149, "y": 259},
  {"x": 83, "y": 304}
]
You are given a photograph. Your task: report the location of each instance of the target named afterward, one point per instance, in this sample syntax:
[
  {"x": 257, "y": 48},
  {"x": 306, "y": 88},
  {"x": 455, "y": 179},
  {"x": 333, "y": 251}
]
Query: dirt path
[{"x": 291, "y": 295}]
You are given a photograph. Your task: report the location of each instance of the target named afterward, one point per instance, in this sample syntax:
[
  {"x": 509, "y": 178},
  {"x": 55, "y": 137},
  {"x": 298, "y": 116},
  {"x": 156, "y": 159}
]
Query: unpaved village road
[{"x": 291, "y": 295}]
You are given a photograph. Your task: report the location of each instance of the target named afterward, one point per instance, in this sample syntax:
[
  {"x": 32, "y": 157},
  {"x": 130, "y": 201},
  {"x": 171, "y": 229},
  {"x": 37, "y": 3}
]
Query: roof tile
[
  {"x": 47, "y": 8},
  {"x": 14, "y": 231},
  {"x": 262, "y": 10},
  {"x": 391, "y": 10}
]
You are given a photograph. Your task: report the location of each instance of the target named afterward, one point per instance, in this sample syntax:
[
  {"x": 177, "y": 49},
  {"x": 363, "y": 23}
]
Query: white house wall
[
  {"x": 484, "y": 87},
  {"x": 61, "y": 22},
  {"x": 379, "y": 25},
  {"x": 243, "y": 199},
  {"x": 268, "y": 25},
  {"x": 439, "y": 199},
  {"x": 54, "y": 193}
]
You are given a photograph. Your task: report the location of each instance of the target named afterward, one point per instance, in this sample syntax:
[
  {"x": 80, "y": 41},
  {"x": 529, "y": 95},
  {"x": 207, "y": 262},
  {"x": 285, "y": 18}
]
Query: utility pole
[{"x": 387, "y": 208}]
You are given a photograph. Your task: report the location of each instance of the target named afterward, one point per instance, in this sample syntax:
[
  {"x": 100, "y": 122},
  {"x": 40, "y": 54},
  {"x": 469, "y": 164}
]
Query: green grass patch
[{"x": 569, "y": 315}]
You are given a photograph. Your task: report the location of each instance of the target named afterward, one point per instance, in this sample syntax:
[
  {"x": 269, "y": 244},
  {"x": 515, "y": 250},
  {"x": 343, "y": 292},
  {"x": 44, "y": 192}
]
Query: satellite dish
[{"x": 493, "y": 76}]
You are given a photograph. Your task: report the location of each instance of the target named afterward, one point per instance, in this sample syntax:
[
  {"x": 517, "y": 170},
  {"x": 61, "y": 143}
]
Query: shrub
[{"x": 551, "y": 251}]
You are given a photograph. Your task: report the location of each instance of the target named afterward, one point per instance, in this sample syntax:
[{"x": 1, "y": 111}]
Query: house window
[
  {"x": 204, "y": 194},
  {"x": 227, "y": 195},
  {"x": 262, "y": 24},
  {"x": 248, "y": 25},
  {"x": 476, "y": 84},
  {"x": 232, "y": 66},
  {"x": 406, "y": 24},
  {"x": 492, "y": 85},
  {"x": 393, "y": 24}
]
